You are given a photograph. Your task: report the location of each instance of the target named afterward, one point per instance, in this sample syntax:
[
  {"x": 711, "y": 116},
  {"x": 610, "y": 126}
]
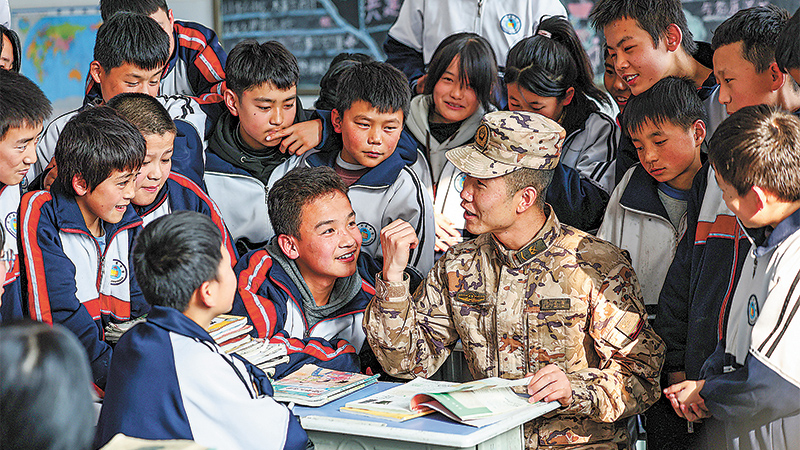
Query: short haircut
[
  {"x": 378, "y": 83},
  {"x": 45, "y": 388},
  {"x": 16, "y": 50},
  {"x": 147, "y": 7},
  {"x": 757, "y": 28},
  {"x": 251, "y": 64},
  {"x": 131, "y": 38},
  {"x": 787, "y": 48},
  {"x": 174, "y": 255},
  {"x": 524, "y": 177},
  {"x": 22, "y": 103},
  {"x": 296, "y": 189},
  {"x": 93, "y": 144},
  {"x": 549, "y": 65},
  {"x": 329, "y": 83},
  {"x": 757, "y": 146},
  {"x": 671, "y": 100},
  {"x": 477, "y": 64},
  {"x": 653, "y": 16},
  {"x": 146, "y": 113}
]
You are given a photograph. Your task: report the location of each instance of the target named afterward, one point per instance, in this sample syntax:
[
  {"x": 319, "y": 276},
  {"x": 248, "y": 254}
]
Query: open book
[
  {"x": 314, "y": 386},
  {"x": 475, "y": 403}
]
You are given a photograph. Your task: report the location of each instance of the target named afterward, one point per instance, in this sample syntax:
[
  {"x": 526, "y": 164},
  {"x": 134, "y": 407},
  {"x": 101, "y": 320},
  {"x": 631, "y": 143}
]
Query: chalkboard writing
[{"x": 313, "y": 30}]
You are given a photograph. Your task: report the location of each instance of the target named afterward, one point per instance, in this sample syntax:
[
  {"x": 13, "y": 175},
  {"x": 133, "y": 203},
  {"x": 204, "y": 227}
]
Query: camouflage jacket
[{"x": 566, "y": 298}]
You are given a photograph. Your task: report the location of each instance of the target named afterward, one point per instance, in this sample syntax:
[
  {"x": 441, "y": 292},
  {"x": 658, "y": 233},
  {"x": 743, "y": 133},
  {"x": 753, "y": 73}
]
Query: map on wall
[{"x": 57, "y": 47}]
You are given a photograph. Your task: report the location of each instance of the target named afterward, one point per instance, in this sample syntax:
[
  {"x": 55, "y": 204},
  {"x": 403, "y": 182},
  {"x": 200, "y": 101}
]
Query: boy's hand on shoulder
[
  {"x": 397, "y": 240},
  {"x": 298, "y": 138}
]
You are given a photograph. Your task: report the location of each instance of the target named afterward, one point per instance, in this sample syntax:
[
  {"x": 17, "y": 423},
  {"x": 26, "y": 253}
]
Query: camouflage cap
[{"x": 509, "y": 140}]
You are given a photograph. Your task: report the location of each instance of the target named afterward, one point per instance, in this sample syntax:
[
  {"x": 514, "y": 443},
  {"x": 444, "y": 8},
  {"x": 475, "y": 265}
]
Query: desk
[{"x": 331, "y": 429}]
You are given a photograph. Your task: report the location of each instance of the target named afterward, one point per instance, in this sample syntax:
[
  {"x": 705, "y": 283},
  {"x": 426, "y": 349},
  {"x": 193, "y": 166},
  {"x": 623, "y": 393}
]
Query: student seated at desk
[
  {"x": 168, "y": 378},
  {"x": 303, "y": 289}
]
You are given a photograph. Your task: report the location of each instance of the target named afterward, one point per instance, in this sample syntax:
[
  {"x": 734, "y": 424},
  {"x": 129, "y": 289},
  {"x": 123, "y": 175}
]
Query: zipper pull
[
  {"x": 755, "y": 266},
  {"x": 480, "y": 7}
]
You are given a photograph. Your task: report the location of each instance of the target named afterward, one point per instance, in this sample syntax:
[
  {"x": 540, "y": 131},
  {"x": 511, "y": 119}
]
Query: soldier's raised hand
[{"x": 397, "y": 240}]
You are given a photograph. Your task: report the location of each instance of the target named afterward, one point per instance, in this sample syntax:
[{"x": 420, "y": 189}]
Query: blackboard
[
  {"x": 313, "y": 30},
  {"x": 317, "y": 30}
]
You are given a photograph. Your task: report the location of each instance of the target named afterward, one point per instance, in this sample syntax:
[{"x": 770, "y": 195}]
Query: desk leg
[{"x": 512, "y": 439}]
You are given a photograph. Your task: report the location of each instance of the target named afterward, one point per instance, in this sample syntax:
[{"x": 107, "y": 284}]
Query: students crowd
[{"x": 632, "y": 250}]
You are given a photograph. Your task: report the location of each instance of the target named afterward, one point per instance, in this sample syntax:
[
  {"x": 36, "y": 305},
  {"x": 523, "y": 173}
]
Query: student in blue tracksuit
[
  {"x": 76, "y": 239},
  {"x": 160, "y": 191},
  {"x": 308, "y": 287},
  {"x": 196, "y": 66},
  {"x": 752, "y": 381},
  {"x": 168, "y": 378},
  {"x": 23, "y": 108}
]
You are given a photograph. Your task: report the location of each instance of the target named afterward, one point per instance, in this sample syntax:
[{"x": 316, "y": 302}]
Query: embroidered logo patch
[
  {"x": 471, "y": 297},
  {"x": 482, "y": 136},
  {"x": 752, "y": 310},
  {"x": 11, "y": 224},
  {"x": 119, "y": 273},
  {"x": 510, "y": 24},
  {"x": 554, "y": 304},
  {"x": 368, "y": 234},
  {"x": 458, "y": 182}
]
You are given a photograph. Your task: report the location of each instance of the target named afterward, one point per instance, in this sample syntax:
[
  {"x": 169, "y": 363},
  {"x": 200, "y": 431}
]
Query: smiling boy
[
  {"x": 160, "y": 191},
  {"x": 744, "y": 61},
  {"x": 307, "y": 288},
  {"x": 371, "y": 105},
  {"x": 76, "y": 239},
  {"x": 649, "y": 40},
  {"x": 23, "y": 108}
]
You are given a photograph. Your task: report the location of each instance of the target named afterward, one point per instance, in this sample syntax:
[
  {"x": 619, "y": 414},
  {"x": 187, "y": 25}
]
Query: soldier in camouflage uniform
[{"x": 529, "y": 295}]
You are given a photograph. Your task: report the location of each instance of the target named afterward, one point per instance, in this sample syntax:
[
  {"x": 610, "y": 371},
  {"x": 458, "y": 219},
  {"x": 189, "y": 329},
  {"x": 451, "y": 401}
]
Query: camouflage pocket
[
  {"x": 473, "y": 317},
  {"x": 545, "y": 334}
]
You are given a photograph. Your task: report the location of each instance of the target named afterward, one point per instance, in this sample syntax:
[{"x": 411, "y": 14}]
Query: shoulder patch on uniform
[
  {"x": 554, "y": 304},
  {"x": 471, "y": 297}
]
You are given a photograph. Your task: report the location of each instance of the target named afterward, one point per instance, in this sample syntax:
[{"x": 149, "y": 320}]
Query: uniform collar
[
  {"x": 544, "y": 239},
  {"x": 173, "y": 320}
]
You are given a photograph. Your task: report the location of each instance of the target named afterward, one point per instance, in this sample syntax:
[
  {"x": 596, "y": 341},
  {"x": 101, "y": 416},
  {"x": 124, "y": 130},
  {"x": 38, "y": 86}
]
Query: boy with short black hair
[
  {"x": 646, "y": 214},
  {"x": 752, "y": 381},
  {"x": 76, "y": 240},
  {"x": 244, "y": 152},
  {"x": 744, "y": 61},
  {"x": 649, "y": 40},
  {"x": 168, "y": 378},
  {"x": 196, "y": 59},
  {"x": 787, "y": 49},
  {"x": 23, "y": 109},
  {"x": 130, "y": 53},
  {"x": 371, "y": 104},
  {"x": 308, "y": 287},
  {"x": 160, "y": 191}
]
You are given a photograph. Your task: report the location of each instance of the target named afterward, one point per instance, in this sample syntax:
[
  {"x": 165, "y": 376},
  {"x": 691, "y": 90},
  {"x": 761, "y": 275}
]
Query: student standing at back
[
  {"x": 549, "y": 74},
  {"x": 458, "y": 88},
  {"x": 23, "y": 108},
  {"x": 196, "y": 59},
  {"x": 744, "y": 61},
  {"x": 649, "y": 40},
  {"x": 646, "y": 215},
  {"x": 787, "y": 49}
]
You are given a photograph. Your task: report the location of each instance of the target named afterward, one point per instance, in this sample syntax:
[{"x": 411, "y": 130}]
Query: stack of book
[
  {"x": 311, "y": 385},
  {"x": 232, "y": 334},
  {"x": 114, "y": 331}
]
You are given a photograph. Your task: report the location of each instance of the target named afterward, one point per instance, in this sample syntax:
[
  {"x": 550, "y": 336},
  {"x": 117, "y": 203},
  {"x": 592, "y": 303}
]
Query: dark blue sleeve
[
  {"x": 327, "y": 127},
  {"x": 187, "y": 156},
  {"x": 576, "y": 200},
  {"x": 753, "y": 393},
  {"x": 319, "y": 352},
  {"x": 672, "y": 318},
  {"x": 405, "y": 58}
]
